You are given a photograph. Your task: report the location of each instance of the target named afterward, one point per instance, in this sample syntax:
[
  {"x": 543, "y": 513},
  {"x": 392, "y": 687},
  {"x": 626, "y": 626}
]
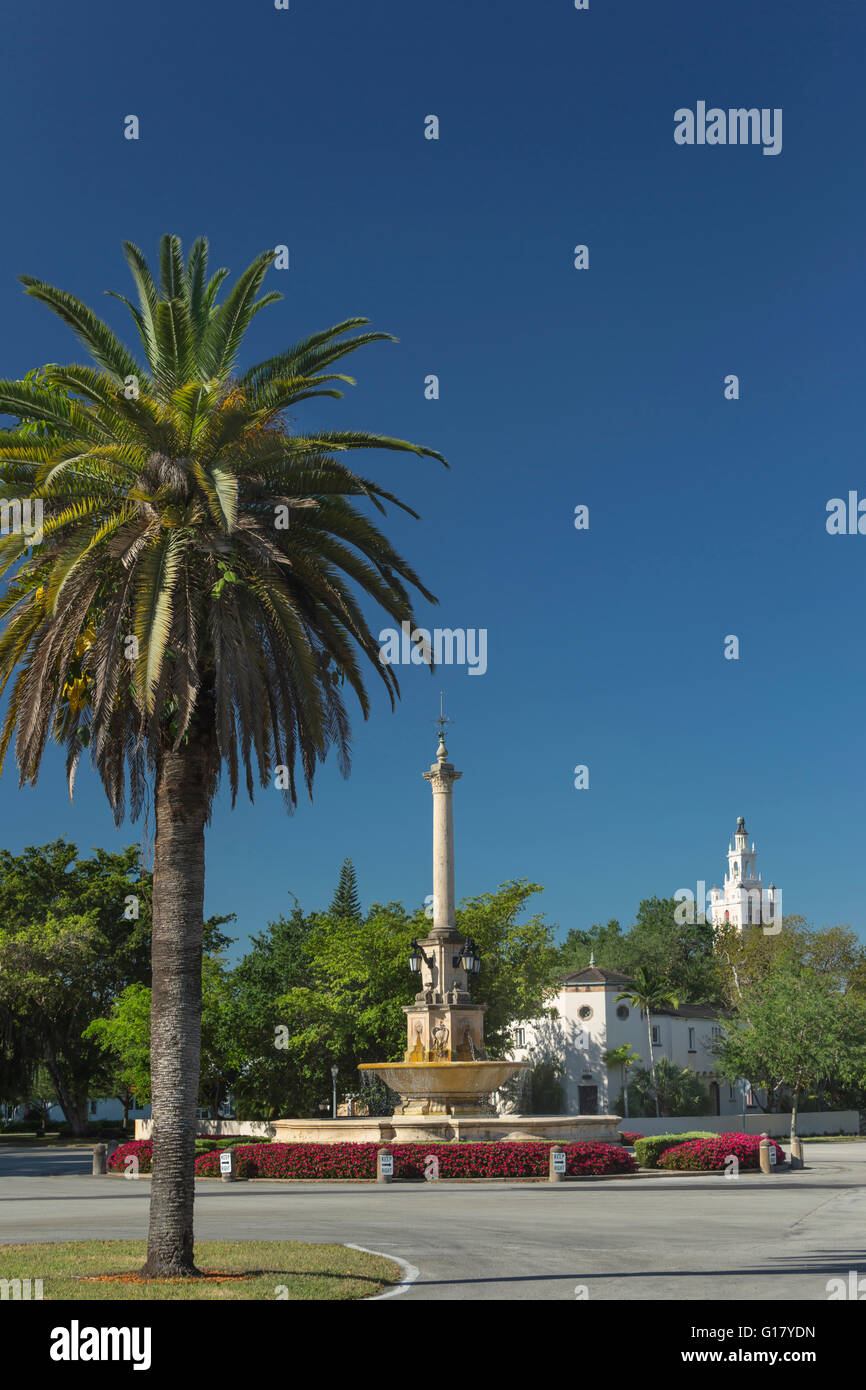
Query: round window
[
  {"x": 585, "y": 1012},
  {"x": 622, "y": 1011}
]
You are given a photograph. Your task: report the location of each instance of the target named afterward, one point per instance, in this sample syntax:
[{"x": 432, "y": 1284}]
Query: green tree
[
  {"x": 349, "y": 1007},
  {"x": 795, "y": 1030},
  {"x": 345, "y": 902},
  {"x": 622, "y": 1057},
  {"x": 680, "y": 953},
  {"x": 272, "y": 1078},
  {"x": 125, "y": 1037},
  {"x": 74, "y": 933},
  {"x": 607, "y": 945},
  {"x": 745, "y": 958},
  {"x": 650, "y": 992},
  {"x": 173, "y": 621},
  {"x": 517, "y": 955}
]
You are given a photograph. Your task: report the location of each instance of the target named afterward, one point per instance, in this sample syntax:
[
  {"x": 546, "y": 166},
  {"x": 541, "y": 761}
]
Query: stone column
[{"x": 442, "y": 777}]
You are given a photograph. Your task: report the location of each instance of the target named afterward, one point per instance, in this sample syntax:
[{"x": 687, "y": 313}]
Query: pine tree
[{"x": 346, "y": 902}]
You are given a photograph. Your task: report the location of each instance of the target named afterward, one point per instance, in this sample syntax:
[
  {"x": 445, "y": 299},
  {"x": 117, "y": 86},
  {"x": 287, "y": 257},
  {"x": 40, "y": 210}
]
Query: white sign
[
  {"x": 387, "y": 1165},
  {"x": 772, "y": 1153},
  {"x": 559, "y": 1163},
  {"x": 226, "y": 1158}
]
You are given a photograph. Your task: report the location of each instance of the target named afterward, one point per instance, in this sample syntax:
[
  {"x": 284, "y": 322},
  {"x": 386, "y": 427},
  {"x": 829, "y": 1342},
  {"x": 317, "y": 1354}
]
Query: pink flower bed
[
  {"x": 714, "y": 1153},
  {"x": 628, "y": 1136},
  {"x": 142, "y": 1149},
  {"x": 503, "y": 1160}
]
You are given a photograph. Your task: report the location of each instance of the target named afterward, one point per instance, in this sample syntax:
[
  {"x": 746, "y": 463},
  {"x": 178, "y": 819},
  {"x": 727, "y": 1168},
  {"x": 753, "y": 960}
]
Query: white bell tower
[{"x": 743, "y": 902}]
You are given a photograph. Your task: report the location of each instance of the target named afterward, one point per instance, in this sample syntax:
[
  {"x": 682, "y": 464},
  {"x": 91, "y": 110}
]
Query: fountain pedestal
[{"x": 445, "y": 1069}]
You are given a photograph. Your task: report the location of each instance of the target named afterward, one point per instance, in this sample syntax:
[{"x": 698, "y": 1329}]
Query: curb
[{"x": 410, "y": 1272}]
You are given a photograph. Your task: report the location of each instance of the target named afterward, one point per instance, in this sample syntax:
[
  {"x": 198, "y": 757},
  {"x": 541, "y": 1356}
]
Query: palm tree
[
  {"x": 190, "y": 604},
  {"x": 650, "y": 992},
  {"x": 623, "y": 1057}
]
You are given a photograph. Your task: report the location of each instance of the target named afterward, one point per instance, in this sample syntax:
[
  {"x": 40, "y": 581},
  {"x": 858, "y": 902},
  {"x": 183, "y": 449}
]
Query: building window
[
  {"x": 691, "y": 1040},
  {"x": 520, "y": 1037},
  {"x": 657, "y": 1035},
  {"x": 731, "y": 1095},
  {"x": 93, "y": 1107},
  {"x": 585, "y": 1012},
  {"x": 717, "y": 1032},
  {"x": 622, "y": 1011}
]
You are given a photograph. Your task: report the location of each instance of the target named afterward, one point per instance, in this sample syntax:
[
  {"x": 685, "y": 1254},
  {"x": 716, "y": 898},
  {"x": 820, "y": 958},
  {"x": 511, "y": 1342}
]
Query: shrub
[
  {"x": 492, "y": 1160},
  {"x": 677, "y": 1090},
  {"x": 714, "y": 1153},
  {"x": 629, "y": 1137},
  {"x": 207, "y": 1143},
  {"x": 649, "y": 1150}
]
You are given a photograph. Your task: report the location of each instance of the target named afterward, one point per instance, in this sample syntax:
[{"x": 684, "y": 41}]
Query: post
[
  {"x": 557, "y": 1164},
  {"x": 384, "y": 1164},
  {"x": 797, "y": 1152},
  {"x": 764, "y": 1153},
  {"x": 100, "y": 1160},
  {"x": 442, "y": 777},
  {"x": 228, "y": 1165},
  {"x": 334, "y": 1075}
]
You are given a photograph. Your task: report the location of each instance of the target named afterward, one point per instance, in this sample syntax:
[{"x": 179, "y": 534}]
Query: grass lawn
[{"x": 255, "y": 1269}]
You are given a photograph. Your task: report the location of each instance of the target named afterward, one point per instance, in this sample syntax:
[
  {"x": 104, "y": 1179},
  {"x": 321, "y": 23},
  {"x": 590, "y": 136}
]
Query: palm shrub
[
  {"x": 670, "y": 1090},
  {"x": 190, "y": 605}
]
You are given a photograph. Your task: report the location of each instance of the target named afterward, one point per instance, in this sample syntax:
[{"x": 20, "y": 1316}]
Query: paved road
[
  {"x": 30, "y": 1162},
  {"x": 779, "y": 1237}
]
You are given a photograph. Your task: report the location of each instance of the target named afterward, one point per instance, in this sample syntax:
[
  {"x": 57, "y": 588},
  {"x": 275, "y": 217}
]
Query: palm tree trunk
[
  {"x": 649, "y": 1030},
  {"x": 175, "y": 1015},
  {"x": 625, "y": 1090}
]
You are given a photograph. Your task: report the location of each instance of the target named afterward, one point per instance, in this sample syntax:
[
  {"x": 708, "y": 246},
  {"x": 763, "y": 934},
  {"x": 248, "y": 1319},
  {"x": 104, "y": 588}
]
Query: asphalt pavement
[{"x": 661, "y": 1238}]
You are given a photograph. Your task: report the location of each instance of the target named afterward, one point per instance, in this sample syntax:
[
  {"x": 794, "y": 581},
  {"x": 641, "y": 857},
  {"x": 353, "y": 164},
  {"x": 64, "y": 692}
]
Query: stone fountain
[
  {"x": 446, "y": 1079},
  {"x": 445, "y": 1069}
]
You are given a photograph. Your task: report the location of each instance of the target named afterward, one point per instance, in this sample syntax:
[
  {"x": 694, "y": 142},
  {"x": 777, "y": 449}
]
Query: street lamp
[
  {"x": 415, "y": 957},
  {"x": 334, "y": 1073},
  {"x": 469, "y": 957}
]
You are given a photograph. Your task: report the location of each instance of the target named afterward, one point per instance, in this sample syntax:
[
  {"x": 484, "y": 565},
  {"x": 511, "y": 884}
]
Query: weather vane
[{"x": 443, "y": 717}]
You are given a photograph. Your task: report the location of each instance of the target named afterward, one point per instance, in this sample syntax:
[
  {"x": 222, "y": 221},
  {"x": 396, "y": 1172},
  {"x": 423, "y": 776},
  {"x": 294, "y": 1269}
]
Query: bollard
[
  {"x": 764, "y": 1153},
  {"x": 228, "y": 1165},
  {"x": 557, "y": 1164},
  {"x": 384, "y": 1165},
  {"x": 100, "y": 1160},
  {"x": 797, "y": 1152}
]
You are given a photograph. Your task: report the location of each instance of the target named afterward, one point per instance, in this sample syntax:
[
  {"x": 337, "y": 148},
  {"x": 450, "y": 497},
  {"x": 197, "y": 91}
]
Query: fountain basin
[{"x": 444, "y": 1088}]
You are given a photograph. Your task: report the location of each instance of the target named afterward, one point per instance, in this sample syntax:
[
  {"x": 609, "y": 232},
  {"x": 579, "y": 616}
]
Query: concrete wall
[
  {"x": 259, "y": 1128},
  {"x": 817, "y": 1122}
]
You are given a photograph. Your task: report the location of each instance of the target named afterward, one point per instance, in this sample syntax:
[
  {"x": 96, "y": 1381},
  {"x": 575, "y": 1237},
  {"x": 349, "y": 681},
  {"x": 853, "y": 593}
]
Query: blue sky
[{"x": 558, "y": 387}]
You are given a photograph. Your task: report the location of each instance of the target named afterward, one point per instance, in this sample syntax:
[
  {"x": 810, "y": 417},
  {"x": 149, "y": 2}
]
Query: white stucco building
[
  {"x": 592, "y": 1022},
  {"x": 743, "y": 900}
]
